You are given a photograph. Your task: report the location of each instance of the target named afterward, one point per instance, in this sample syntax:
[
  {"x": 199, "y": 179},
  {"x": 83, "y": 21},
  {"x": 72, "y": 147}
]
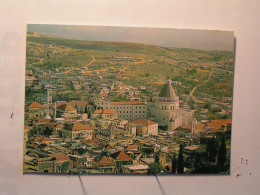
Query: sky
[{"x": 163, "y": 37}]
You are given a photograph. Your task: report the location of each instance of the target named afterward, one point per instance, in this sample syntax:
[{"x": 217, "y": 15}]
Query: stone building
[
  {"x": 36, "y": 111},
  {"x": 75, "y": 130},
  {"x": 145, "y": 127},
  {"x": 105, "y": 113},
  {"x": 121, "y": 158},
  {"x": 130, "y": 110},
  {"x": 165, "y": 109}
]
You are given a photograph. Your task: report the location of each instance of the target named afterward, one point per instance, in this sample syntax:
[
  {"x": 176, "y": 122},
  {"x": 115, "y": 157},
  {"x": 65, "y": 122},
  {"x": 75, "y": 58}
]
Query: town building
[
  {"x": 130, "y": 110},
  {"x": 120, "y": 158},
  {"x": 135, "y": 169},
  {"x": 105, "y": 165},
  {"x": 145, "y": 127},
  {"x": 166, "y": 111},
  {"x": 77, "y": 130},
  {"x": 106, "y": 113},
  {"x": 36, "y": 111}
]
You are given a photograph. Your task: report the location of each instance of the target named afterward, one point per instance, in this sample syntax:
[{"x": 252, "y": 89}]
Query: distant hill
[{"x": 172, "y": 38}]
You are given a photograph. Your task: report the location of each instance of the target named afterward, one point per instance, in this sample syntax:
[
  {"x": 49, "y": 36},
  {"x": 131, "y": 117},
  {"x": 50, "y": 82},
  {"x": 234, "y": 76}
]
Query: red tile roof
[
  {"x": 79, "y": 126},
  {"x": 65, "y": 107},
  {"x": 26, "y": 128},
  {"x": 105, "y": 111},
  {"x": 60, "y": 157},
  {"x": 127, "y": 103},
  {"x": 105, "y": 161},
  {"x": 36, "y": 105},
  {"x": 132, "y": 147},
  {"x": 215, "y": 125},
  {"x": 120, "y": 156},
  {"x": 41, "y": 139},
  {"x": 109, "y": 147},
  {"x": 56, "y": 125},
  {"x": 143, "y": 122}
]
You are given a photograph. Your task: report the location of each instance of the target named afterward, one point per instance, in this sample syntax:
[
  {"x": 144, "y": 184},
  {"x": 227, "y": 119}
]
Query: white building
[
  {"x": 126, "y": 110},
  {"x": 130, "y": 110},
  {"x": 145, "y": 127},
  {"x": 165, "y": 109}
]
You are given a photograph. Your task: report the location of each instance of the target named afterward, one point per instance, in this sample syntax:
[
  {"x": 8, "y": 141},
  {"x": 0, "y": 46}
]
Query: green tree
[
  {"x": 154, "y": 168},
  {"x": 147, "y": 74},
  {"x": 47, "y": 131},
  {"x": 174, "y": 164},
  {"x": 157, "y": 157},
  {"x": 180, "y": 161},
  {"x": 222, "y": 151},
  {"x": 197, "y": 164},
  {"x": 211, "y": 149},
  {"x": 207, "y": 106}
]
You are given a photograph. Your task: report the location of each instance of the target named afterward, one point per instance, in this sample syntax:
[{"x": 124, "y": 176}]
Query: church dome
[{"x": 167, "y": 91}]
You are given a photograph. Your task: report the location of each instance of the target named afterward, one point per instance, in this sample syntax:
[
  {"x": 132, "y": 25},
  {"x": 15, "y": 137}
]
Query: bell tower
[{"x": 49, "y": 96}]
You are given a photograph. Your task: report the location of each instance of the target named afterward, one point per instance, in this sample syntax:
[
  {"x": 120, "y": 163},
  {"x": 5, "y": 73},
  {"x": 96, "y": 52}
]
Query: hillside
[{"x": 137, "y": 64}]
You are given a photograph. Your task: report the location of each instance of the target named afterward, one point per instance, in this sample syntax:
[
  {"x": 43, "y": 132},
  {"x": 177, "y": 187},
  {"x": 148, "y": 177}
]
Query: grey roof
[{"x": 168, "y": 91}]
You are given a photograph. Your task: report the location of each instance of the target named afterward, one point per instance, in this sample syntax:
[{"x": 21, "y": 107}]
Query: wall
[{"x": 240, "y": 16}]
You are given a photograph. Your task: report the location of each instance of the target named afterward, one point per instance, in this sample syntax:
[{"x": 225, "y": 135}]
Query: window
[
  {"x": 49, "y": 94},
  {"x": 49, "y": 102}
]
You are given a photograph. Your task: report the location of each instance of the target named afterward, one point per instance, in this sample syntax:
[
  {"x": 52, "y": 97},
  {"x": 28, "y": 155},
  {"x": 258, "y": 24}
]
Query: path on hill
[
  {"x": 93, "y": 60},
  {"x": 194, "y": 89}
]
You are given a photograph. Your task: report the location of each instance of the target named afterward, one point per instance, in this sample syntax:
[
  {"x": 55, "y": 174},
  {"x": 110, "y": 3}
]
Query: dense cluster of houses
[
  {"x": 97, "y": 135},
  {"x": 100, "y": 136}
]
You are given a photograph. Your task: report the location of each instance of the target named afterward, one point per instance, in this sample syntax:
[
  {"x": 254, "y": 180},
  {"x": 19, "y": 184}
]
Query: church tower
[
  {"x": 49, "y": 96},
  {"x": 49, "y": 103},
  {"x": 166, "y": 111},
  {"x": 167, "y": 98}
]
